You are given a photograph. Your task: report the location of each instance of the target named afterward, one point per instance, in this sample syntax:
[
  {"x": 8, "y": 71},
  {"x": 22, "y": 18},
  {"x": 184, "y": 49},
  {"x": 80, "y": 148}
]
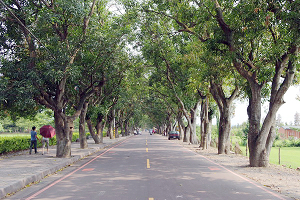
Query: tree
[
  {"x": 279, "y": 121},
  {"x": 297, "y": 119},
  {"x": 166, "y": 52},
  {"x": 276, "y": 59},
  {"x": 43, "y": 59},
  {"x": 254, "y": 36},
  {"x": 224, "y": 85}
]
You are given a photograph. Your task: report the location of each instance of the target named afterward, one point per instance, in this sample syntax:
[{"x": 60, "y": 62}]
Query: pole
[
  {"x": 246, "y": 148},
  {"x": 279, "y": 155},
  {"x": 114, "y": 123}
]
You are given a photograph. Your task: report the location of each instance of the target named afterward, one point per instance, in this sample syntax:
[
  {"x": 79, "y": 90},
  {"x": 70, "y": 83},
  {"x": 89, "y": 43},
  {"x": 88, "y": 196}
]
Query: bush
[
  {"x": 291, "y": 142},
  {"x": 278, "y": 143},
  {"x": 8, "y": 144},
  {"x": 22, "y": 142}
]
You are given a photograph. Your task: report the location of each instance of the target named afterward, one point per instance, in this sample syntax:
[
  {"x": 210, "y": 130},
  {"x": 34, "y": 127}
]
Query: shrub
[
  {"x": 22, "y": 142},
  {"x": 291, "y": 142},
  {"x": 278, "y": 143},
  {"x": 8, "y": 144}
]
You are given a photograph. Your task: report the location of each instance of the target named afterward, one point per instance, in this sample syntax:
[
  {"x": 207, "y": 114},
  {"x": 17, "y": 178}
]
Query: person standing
[
  {"x": 45, "y": 141},
  {"x": 33, "y": 141}
]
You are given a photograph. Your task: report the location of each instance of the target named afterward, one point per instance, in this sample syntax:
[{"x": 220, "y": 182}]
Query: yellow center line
[
  {"x": 146, "y": 149},
  {"x": 151, "y": 198},
  {"x": 148, "y": 164}
]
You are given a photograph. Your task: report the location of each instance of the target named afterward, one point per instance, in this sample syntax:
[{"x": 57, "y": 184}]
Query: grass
[{"x": 289, "y": 156}]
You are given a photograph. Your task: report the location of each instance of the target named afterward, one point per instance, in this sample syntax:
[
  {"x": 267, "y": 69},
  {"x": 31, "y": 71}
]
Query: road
[{"x": 146, "y": 167}]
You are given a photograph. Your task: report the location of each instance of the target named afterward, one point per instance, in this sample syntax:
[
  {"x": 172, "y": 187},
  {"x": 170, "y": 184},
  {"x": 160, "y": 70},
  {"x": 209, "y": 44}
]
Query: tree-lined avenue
[{"x": 165, "y": 170}]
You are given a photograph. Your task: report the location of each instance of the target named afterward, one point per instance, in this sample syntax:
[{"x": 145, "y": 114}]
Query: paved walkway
[{"x": 21, "y": 169}]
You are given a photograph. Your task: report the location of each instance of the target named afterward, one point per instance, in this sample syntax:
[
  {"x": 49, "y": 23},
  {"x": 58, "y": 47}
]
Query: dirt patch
[{"x": 278, "y": 178}]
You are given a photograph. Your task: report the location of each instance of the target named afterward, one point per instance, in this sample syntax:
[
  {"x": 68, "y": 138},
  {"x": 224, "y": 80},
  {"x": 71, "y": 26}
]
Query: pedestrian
[
  {"x": 45, "y": 141},
  {"x": 33, "y": 141}
]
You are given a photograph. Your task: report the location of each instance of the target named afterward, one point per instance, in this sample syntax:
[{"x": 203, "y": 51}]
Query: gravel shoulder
[{"x": 278, "y": 178}]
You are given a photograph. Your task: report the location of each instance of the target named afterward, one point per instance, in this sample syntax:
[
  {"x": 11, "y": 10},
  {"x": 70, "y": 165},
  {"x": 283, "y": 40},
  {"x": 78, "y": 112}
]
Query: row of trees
[
  {"x": 70, "y": 57},
  {"x": 76, "y": 58},
  {"x": 24, "y": 125},
  {"x": 204, "y": 50}
]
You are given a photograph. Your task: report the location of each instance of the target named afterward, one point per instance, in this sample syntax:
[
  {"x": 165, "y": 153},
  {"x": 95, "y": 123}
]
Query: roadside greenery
[
  {"x": 24, "y": 125},
  {"x": 289, "y": 156},
  {"x": 18, "y": 142},
  {"x": 291, "y": 142},
  {"x": 239, "y": 134},
  {"x": 158, "y": 61}
]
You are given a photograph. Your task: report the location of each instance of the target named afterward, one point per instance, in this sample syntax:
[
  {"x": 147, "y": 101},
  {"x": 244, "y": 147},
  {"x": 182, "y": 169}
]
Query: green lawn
[{"x": 289, "y": 156}]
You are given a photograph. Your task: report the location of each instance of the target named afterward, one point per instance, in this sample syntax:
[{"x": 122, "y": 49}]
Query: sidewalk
[{"x": 21, "y": 169}]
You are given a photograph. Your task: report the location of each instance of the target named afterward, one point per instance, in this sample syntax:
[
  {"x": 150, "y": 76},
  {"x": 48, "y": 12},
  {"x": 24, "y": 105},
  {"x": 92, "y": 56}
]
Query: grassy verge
[{"x": 289, "y": 156}]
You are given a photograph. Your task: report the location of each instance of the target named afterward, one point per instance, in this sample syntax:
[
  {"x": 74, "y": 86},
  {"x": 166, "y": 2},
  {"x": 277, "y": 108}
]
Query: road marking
[
  {"x": 88, "y": 169},
  {"x": 146, "y": 149},
  {"x": 148, "y": 163},
  {"x": 214, "y": 168},
  {"x": 151, "y": 198}
]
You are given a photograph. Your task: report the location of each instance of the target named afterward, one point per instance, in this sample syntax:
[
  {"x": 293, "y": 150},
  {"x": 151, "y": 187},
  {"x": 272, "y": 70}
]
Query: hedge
[
  {"x": 22, "y": 142},
  {"x": 291, "y": 142}
]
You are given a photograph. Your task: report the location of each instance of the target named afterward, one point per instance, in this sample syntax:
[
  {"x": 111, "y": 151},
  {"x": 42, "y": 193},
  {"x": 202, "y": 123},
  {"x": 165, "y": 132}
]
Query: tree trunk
[
  {"x": 100, "y": 123},
  {"x": 92, "y": 132},
  {"x": 99, "y": 128},
  {"x": 209, "y": 132},
  {"x": 126, "y": 128},
  {"x": 82, "y": 135},
  {"x": 122, "y": 129},
  {"x": 224, "y": 131},
  {"x": 109, "y": 130},
  {"x": 193, "y": 136},
  {"x": 204, "y": 122},
  {"x": 256, "y": 152},
  {"x": 224, "y": 105},
  {"x": 187, "y": 132},
  {"x": 116, "y": 132},
  {"x": 180, "y": 125},
  {"x": 260, "y": 139},
  {"x": 63, "y": 147}
]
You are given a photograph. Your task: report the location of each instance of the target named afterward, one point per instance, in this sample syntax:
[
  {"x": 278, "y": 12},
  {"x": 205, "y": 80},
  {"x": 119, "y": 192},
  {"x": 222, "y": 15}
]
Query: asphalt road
[{"x": 146, "y": 167}]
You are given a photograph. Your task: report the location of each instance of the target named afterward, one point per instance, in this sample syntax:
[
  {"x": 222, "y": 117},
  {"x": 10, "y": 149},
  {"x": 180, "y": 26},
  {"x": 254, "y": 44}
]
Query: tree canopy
[{"x": 149, "y": 64}]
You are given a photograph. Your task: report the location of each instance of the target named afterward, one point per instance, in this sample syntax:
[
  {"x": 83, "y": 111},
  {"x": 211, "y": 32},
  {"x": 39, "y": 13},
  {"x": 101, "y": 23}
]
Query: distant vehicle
[{"x": 174, "y": 135}]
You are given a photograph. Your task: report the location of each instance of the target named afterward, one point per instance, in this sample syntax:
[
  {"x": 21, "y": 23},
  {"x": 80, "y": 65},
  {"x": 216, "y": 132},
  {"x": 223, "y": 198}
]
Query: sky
[{"x": 287, "y": 110}]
